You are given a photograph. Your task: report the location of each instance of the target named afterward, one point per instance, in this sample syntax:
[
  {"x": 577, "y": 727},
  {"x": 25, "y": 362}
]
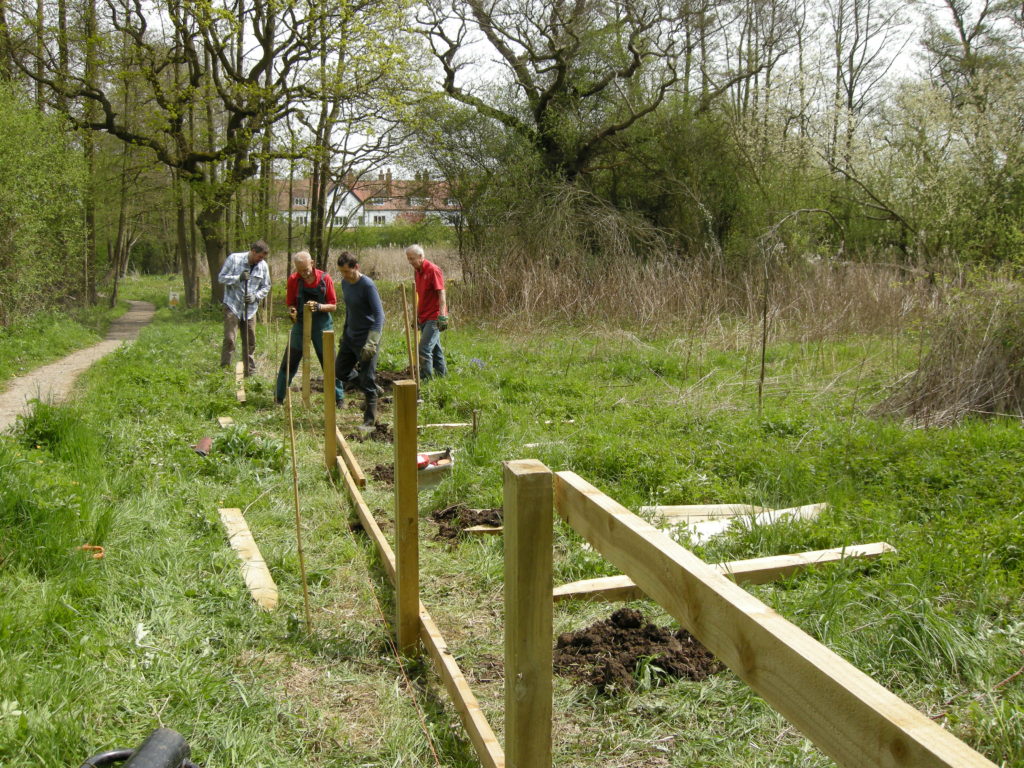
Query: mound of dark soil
[
  {"x": 384, "y": 473},
  {"x": 381, "y": 433},
  {"x": 453, "y": 521},
  {"x": 608, "y": 654},
  {"x": 386, "y": 379}
]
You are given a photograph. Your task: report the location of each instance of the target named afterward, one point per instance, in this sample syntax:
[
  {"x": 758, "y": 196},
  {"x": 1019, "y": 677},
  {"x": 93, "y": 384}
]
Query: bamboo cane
[
  {"x": 408, "y": 333},
  {"x": 295, "y": 489}
]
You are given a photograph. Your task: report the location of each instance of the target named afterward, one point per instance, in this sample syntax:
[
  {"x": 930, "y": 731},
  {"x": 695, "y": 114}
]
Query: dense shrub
[{"x": 41, "y": 214}]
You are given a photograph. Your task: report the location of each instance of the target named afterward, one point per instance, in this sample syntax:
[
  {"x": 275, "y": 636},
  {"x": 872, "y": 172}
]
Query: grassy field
[{"x": 96, "y": 653}]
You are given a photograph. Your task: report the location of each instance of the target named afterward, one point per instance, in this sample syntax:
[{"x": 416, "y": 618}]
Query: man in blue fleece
[{"x": 360, "y": 341}]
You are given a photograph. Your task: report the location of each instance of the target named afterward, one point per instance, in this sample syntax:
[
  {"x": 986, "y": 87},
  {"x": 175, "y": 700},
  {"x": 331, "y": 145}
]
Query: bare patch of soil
[
  {"x": 610, "y": 653},
  {"x": 381, "y": 433},
  {"x": 453, "y": 521},
  {"x": 384, "y": 473},
  {"x": 386, "y": 379}
]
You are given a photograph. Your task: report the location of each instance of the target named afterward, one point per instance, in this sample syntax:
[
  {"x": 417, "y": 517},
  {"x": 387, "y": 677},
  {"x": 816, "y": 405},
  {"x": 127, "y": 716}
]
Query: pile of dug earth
[
  {"x": 454, "y": 520},
  {"x": 609, "y": 654}
]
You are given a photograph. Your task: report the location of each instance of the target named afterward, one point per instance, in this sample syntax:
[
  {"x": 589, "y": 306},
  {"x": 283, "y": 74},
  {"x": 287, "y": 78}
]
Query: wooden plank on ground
[
  {"x": 485, "y": 530},
  {"x": 350, "y": 459},
  {"x": 693, "y": 513},
  {"x": 254, "y": 569},
  {"x": 759, "y": 570},
  {"x": 240, "y": 381},
  {"x": 225, "y": 421},
  {"x": 849, "y": 716},
  {"x": 700, "y": 532}
]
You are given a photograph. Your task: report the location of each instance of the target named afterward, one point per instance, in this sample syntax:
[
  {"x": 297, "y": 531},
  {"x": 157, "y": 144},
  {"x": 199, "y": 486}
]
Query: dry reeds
[
  {"x": 567, "y": 256},
  {"x": 974, "y": 363}
]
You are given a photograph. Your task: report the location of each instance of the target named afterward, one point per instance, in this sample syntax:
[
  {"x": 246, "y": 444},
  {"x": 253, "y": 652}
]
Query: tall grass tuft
[
  {"x": 45, "y": 514},
  {"x": 974, "y": 363}
]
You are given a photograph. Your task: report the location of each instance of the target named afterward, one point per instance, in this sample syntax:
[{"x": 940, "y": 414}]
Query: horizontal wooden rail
[
  {"x": 350, "y": 459},
  {"x": 473, "y": 720},
  {"x": 849, "y": 716},
  {"x": 759, "y": 570}
]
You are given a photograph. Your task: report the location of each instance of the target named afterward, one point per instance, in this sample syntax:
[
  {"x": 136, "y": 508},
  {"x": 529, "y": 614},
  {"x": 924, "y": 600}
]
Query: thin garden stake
[
  {"x": 295, "y": 488},
  {"x": 408, "y": 334}
]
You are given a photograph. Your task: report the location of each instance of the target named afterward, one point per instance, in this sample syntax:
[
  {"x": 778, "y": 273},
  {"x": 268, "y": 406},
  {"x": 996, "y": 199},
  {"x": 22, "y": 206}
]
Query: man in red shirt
[
  {"x": 307, "y": 285},
  {"x": 433, "y": 312}
]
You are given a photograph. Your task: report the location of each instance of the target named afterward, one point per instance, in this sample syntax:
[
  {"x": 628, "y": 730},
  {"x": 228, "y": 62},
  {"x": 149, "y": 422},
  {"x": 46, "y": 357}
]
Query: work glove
[
  {"x": 370, "y": 347},
  {"x": 442, "y": 322},
  {"x": 244, "y": 276},
  {"x": 251, "y": 300}
]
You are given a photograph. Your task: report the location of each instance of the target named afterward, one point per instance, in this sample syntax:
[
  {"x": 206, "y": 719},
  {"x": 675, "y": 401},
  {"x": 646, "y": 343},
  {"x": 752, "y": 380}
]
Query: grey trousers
[{"x": 231, "y": 323}]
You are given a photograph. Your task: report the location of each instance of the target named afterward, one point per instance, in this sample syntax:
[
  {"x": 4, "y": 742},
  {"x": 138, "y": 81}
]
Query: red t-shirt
[
  {"x": 292, "y": 292},
  {"x": 429, "y": 284}
]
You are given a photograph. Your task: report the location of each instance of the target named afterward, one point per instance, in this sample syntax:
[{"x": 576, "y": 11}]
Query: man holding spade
[{"x": 246, "y": 281}]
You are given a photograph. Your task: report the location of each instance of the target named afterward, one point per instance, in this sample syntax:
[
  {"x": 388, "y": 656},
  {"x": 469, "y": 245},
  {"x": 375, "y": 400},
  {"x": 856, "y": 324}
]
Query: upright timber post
[
  {"x": 407, "y": 580},
  {"x": 528, "y": 494},
  {"x": 330, "y": 417},
  {"x": 307, "y": 327}
]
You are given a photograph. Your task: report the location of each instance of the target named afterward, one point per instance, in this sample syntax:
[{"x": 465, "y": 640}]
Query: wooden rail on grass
[
  {"x": 307, "y": 327},
  {"x": 240, "y": 381},
  {"x": 330, "y": 417},
  {"x": 759, "y": 570},
  {"x": 480, "y": 733},
  {"x": 849, "y": 716},
  {"x": 254, "y": 569},
  {"x": 407, "y": 513},
  {"x": 350, "y": 459},
  {"x": 528, "y": 613}
]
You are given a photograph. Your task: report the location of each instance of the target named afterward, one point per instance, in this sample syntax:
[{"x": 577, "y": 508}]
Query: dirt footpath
[{"x": 53, "y": 382}]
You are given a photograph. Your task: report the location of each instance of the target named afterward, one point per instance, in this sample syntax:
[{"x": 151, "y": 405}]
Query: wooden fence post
[
  {"x": 528, "y": 495},
  {"x": 407, "y": 517},
  {"x": 330, "y": 418},
  {"x": 307, "y": 326}
]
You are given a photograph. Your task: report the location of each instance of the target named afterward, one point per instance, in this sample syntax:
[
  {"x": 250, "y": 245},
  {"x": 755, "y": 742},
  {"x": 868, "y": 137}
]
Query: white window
[
  {"x": 300, "y": 201},
  {"x": 417, "y": 202},
  {"x": 380, "y": 221},
  {"x": 339, "y": 221},
  {"x": 451, "y": 202}
]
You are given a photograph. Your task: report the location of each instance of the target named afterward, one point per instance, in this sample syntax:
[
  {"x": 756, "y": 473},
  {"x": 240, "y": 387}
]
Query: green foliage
[
  {"x": 47, "y": 508},
  {"x": 35, "y": 339},
  {"x": 40, "y": 211},
  {"x": 430, "y": 231},
  {"x": 239, "y": 442}
]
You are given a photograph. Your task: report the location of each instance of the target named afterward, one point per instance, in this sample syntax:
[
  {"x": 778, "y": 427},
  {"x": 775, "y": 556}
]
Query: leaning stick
[
  {"x": 416, "y": 332},
  {"x": 408, "y": 334},
  {"x": 295, "y": 489}
]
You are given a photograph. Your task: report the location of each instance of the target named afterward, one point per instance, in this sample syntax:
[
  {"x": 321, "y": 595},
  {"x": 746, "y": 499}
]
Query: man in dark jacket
[{"x": 360, "y": 342}]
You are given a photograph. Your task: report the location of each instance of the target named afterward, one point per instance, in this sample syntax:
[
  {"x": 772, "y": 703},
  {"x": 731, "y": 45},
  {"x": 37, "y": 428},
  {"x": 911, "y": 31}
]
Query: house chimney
[{"x": 388, "y": 181}]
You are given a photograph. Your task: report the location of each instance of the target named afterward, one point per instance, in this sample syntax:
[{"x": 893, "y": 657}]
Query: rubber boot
[{"x": 370, "y": 414}]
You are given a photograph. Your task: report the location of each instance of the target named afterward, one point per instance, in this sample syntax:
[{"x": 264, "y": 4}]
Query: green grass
[
  {"x": 27, "y": 344},
  {"x": 95, "y": 653}
]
